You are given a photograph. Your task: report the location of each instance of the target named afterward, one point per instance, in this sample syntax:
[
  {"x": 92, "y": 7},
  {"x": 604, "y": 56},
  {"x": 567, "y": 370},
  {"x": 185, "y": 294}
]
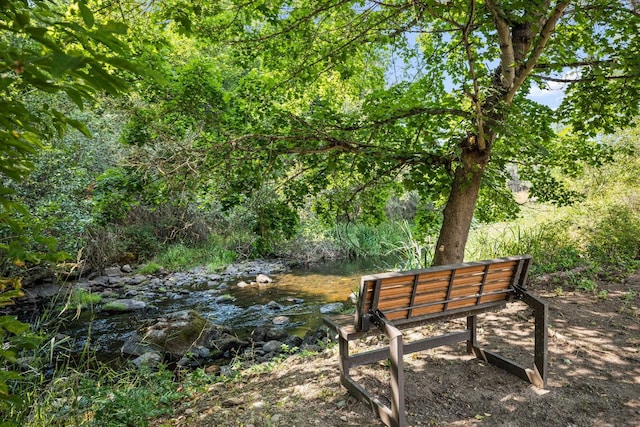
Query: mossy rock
[{"x": 124, "y": 306}]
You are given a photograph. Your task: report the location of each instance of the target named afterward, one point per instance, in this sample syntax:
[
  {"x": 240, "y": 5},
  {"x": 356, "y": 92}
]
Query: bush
[
  {"x": 614, "y": 236},
  {"x": 15, "y": 337}
]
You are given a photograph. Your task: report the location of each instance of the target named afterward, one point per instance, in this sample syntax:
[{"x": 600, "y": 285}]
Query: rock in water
[
  {"x": 180, "y": 332},
  {"x": 332, "y": 308},
  {"x": 281, "y": 320},
  {"x": 263, "y": 279},
  {"x": 124, "y": 306}
]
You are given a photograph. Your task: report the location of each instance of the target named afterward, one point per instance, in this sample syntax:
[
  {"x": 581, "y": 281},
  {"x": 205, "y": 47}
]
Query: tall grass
[
  {"x": 94, "y": 394},
  {"x": 61, "y": 388},
  {"x": 358, "y": 240},
  {"x": 543, "y": 231},
  {"x": 211, "y": 254},
  {"x": 411, "y": 253}
]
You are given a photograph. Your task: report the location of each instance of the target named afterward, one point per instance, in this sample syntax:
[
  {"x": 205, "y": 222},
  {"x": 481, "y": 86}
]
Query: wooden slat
[
  {"x": 430, "y": 297},
  {"x": 439, "y": 289},
  {"x": 428, "y": 310},
  {"x": 398, "y": 315},
  {"x": 493, "y": 286},
  {"x": 468, "y": 302},
  {"x": 497, "y": 297},
  {"x": 396, "y": 281},
  {"x": 390, "y": 304},
  {"x": 467, "y": 290},
  {"x": 395, "y": 291}
]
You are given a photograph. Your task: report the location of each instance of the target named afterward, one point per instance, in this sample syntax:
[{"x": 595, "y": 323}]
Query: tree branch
[
  {"x": 482, "y": 145},
  {"x": 582, "y": 80},
  {"x": 545, "y": 34},
  {"x": 507, "y": 55},
  {"x": 332, "y": 144},
  {"x": 574, "y": 64},
  {"x": 407, "y": 114}
]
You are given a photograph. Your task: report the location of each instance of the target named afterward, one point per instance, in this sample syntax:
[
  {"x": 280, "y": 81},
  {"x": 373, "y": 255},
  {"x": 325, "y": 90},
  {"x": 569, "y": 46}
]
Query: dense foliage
[{"x": 348, "y": 101}]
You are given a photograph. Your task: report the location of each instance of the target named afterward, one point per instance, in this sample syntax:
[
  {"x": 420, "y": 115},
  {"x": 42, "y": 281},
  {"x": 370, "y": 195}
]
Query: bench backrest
[{"x": 455, "y": 290}]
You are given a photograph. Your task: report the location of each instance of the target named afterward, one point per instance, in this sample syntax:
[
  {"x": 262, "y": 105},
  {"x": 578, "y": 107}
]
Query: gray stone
[
  {"x": 272, "y": 305},
  {"x": 150, "y": 358},
  {"x": 281, "y": 320},
  {"x": 273, "y": 346},
  {"x": 183, "y": 332},
  {"x": 242, "y": 284},
  {"x": 133, "y": 347},
  {"x": 44, "y": 291},
  {"x": 99, "y": 281},
  {"x": 116, "y": 281},
  {"x": 124, "y": 305},
  {"x": 276, "y": 334},
  {"x": 335, "y": 307},
  {"x": 112, "y": 271},
  {"x": 353, "y": 297},
  {"x": 138, "y": 279},
  {"x": 126, "y": 268},
  {"x": 223, "y": 299},
  {"x": 293, "y": 341},
  {"x": 227, "y": 342}
]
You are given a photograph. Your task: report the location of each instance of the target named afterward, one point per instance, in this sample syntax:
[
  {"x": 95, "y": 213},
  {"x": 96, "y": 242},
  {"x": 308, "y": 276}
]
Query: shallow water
[{"x": 298, "y": 293}]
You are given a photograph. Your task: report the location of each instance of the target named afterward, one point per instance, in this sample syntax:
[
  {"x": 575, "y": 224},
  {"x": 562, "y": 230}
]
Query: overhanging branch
[
  {"x": 407, "y": 114},
  {"x": 545, "y": 34},
  {"x": 582, "y": 80}
]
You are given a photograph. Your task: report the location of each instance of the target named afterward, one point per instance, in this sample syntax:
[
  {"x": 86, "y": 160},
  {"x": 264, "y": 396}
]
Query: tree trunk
[{"x": 460, "y": 206}]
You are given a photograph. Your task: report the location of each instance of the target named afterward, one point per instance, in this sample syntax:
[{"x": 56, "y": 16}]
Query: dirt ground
[{"x": 594, "y": 364}]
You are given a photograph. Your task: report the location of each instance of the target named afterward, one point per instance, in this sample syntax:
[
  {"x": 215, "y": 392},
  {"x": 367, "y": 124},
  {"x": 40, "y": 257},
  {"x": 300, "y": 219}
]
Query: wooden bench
[{"x": 395, "y": 301}]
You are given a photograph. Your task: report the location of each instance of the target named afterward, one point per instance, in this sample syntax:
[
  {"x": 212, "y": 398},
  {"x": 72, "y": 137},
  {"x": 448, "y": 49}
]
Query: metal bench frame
[{"x": 394, "y": 301}]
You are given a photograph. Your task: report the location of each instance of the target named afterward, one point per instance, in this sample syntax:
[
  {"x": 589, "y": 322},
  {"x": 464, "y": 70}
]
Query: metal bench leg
[
  {"x": 343, "y": 347},
  {"x": 541, "y": 316},
  {"x": 538, "y": 375},
  {"x": 396, "y": 351},
  {"x": 397, "y": 379},
  {"x": 472, "y": 342}
]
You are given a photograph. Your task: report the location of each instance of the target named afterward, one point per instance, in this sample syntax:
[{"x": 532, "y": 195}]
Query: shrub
[{"x": 613, "y": 237}]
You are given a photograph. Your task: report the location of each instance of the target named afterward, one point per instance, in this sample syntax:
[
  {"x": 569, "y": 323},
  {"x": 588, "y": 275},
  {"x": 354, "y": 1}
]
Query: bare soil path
[{"x": 594, "y": 361}]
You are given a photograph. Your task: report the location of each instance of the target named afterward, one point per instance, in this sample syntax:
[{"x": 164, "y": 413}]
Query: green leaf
[
  {"x": 22, "y": 19},
  {"x": 86, "y": 14},
  {"x": 80, "y": 126},
  {"x": 75, "y": 96},
  {"x": 63, "y": 63},
  {"x": 114, "y": 27}
]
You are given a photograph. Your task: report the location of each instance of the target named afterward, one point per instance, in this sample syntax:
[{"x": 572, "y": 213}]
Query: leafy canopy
[{"x": 379, "y": 92}]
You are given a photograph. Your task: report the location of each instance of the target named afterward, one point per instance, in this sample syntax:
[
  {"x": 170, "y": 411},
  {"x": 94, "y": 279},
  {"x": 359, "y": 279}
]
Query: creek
[{"x": 297, "y": 294}]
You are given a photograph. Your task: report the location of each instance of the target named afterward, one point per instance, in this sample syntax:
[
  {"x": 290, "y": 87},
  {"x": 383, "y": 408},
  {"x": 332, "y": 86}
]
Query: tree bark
[
  {"x": 460, "y": 206},
  {"x": 518, "y": 56}
]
